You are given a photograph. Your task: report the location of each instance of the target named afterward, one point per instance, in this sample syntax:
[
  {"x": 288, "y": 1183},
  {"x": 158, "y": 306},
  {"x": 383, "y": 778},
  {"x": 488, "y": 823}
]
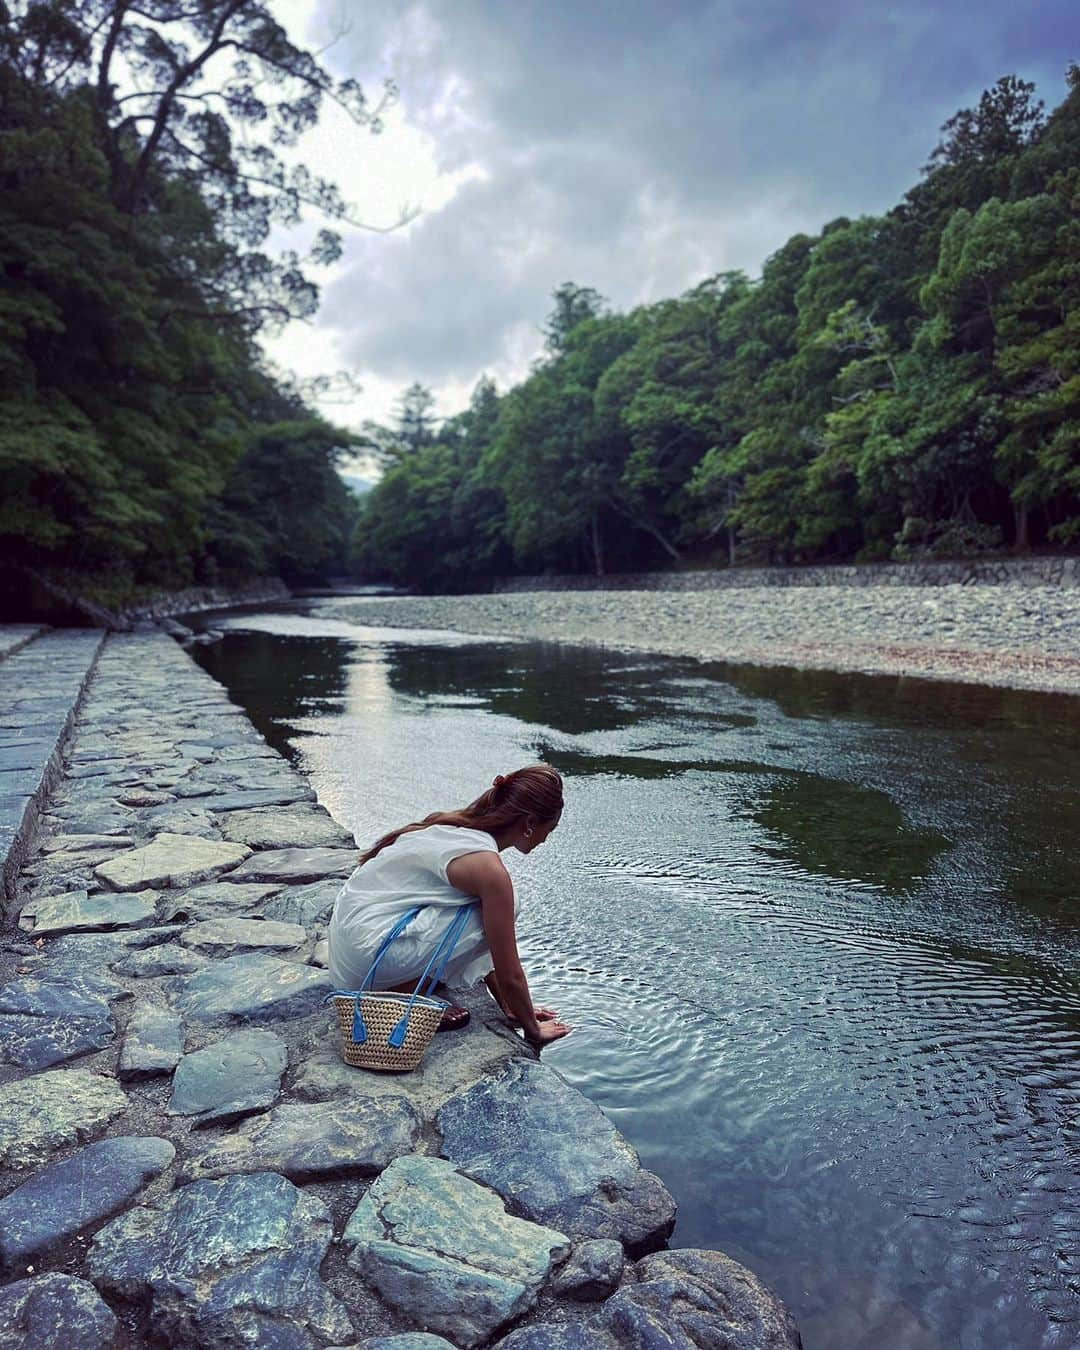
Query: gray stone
[
  {"x": 69, "y": 875},
  {"x": 678, "y": 1301},
  {"x": 144, "y": 796},
  {"x": 297, "y": 864},
  {"x": 539, "y": 1142},
  {"x": 235, "y": 936},
  {"x": 105, "y": 817},
  {"x": 409, "y": 1340},
  {"x": 442, "y": 1250},
  {"x": 577, "y": 1336},
  {"x": 76, "y": 911},
  {"x": 171, "y": 860},
  {"x": 592, "y": 1272},
  {"x": 81, "y": 843},
  {"x": 252, "y": 988},
  {"x": 292, "y": 828},
  {"x": 55, "y": 1014},
  {"x": 153, "y": 1042},
  {"x": 62, "y": 1106},
  {"x": 449, "y": 1064},
  {"x": 232, "y": 1262},
  {"x": 696, "y": 1297},
  {"x": 181, "y": 818},
  {"x": 67, "y": 1196},
  {"x": 305, "y": 905},
  {"x": 357, "y": 1137},
  {"x": 88, "y": 950},
  {"x": 168, "y": 958},
  {"x": 53, "y": 1311},
  {"x": 248, "y": 799},
  {"x": 233, "y": 1078},
  {"x": 217, "y": 899}
]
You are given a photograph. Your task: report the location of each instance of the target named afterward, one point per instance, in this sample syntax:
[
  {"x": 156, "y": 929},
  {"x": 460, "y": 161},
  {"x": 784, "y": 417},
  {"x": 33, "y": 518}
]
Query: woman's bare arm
[{"x": 485, "y": 876}]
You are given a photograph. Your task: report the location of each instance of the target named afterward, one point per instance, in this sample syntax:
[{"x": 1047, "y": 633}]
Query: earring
[{"x": 528, "y": 832}]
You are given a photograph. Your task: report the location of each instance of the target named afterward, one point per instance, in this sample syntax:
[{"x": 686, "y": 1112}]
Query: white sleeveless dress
[{"x": 410, "y": 872}]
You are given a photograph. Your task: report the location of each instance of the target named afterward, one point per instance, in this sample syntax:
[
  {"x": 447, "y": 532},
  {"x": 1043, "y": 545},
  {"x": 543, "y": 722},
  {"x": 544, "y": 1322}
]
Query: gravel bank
[{"x": 1022, "y": 637}]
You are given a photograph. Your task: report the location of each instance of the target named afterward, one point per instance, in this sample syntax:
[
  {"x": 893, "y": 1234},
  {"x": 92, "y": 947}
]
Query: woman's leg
[{"x": 453, "y": 1017}]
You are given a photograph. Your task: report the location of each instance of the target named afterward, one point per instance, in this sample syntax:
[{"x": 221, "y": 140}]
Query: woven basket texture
[{"x": 382, "y": 1012}]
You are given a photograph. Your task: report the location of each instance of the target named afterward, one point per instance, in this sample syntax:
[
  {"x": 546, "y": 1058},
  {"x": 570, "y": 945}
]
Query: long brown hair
[{"x": 536, "y": 790}]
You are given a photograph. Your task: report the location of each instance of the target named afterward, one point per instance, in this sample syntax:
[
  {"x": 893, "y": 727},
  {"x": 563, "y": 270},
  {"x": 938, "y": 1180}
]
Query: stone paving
[
  {"x": 41, "y": 681},
  {"x": 185, "y": 1159}
]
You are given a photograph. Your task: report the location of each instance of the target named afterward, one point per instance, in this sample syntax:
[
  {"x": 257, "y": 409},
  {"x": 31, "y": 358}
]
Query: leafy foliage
[
  {"x": 141, "y": 437},
  {"x": 898, "y": 386}
]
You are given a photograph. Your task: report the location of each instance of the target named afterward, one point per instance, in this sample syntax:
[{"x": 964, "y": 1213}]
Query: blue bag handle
[
  {"x": 439, "y": 961},
  {"x": 442, "y": 955}
]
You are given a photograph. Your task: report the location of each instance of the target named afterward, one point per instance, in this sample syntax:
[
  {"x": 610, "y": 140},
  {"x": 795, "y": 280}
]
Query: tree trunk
[
  {"x": 597, "y": 545},
  {"x": 731, "y": 547},
  {"x": 1020, "y": 513}
]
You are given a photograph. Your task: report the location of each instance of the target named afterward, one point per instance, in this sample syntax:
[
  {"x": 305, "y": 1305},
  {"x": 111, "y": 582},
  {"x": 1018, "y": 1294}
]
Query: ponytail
[{"x": 533, "y": 791}]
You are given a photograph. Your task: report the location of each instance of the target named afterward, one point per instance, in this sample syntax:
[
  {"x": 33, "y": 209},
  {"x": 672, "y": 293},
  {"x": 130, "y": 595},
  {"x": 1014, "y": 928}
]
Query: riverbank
[
  {"x": 1017, "y": 636},
  {"x": 185, "y": 1159}
]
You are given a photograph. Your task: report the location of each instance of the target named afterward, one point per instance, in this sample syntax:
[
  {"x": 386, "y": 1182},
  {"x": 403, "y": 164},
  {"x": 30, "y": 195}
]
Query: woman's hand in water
[
  {"x": 549, "y": 1031},
  {"x": 545, "y": 1014}
]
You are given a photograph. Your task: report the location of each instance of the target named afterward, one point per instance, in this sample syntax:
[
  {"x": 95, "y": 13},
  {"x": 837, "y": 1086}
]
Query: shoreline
[
  {"x": 185, "y": 1157},
  {"x": 1025, "y": 638}
]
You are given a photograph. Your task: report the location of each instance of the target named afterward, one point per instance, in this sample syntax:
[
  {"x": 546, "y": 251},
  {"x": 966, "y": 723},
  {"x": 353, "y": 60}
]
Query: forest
[
  {"x": 145, "y": 444},
  {"x": 896, "y": 387}
]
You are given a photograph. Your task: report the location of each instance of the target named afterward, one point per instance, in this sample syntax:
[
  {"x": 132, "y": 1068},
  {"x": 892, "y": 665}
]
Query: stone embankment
[
  {"x": 185, "y": 1160},
  {"x": 1020, "y": 636}
]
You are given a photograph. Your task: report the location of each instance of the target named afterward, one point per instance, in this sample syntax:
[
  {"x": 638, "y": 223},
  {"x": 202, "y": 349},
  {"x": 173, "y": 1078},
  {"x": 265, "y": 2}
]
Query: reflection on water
[
  {"x": 845, "y": 830},
  {"x": 817, "y": 935}
]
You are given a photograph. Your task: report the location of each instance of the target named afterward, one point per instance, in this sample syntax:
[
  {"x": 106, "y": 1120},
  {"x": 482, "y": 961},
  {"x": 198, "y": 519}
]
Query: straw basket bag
[{"x": 382, "y": 1030}]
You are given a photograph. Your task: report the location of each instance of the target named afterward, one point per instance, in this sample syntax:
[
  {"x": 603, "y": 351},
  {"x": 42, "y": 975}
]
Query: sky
[{"x": 635, "y": 146}]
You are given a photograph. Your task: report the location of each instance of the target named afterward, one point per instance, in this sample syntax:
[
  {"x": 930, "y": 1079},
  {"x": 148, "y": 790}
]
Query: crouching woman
[{"x": 450, "y": 859}]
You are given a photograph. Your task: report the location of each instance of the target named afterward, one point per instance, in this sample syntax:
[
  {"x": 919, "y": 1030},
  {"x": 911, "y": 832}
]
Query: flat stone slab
[
  {"x": 449, "y": 1062},
  {"x": 171, "y": 860},
  {"x": 308, "y": 906},
  {"x": 284, "y": 828},
  {"x": 167, "y": 958},
  {"x": 297, "y": 864},
  {"x": 248, "y": 799},
  {"x": 62, "y": 1106},
  {"x": 75, "y": 912},
  {"x": 55, "y": 1014},
  {"x": 539, "y": 1142},
  {"x": 82, "y": 843},
  {"x": 226, "y": 1262},
  {"x": 65, "y": 1197},
  {"x": 233, "y": 1078},
  {"x": 234, "y": 936},
  {"x": 252, "y": 988},
  {"x": 55, "y": 1311},
  {"x": 358, "y": 1137},
  {"x": 216, "y": 900},
  {"x": 153, "y": 1042},
  {"x": 442, "y": 1250}
]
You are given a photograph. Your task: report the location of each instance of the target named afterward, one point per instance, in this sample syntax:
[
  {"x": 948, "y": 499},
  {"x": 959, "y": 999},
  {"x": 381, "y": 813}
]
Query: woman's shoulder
[{"x": 460, "y": 834}]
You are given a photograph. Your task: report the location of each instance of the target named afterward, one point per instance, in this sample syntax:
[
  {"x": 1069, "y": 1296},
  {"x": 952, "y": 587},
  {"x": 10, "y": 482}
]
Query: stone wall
[{"x": 973, "y": 572}]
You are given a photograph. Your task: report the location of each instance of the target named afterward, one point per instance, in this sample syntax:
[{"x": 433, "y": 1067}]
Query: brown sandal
[{"x": 454, "y": 1018}]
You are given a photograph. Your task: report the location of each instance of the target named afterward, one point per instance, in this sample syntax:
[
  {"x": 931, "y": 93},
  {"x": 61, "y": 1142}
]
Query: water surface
[{"x": 817, "y": 934}]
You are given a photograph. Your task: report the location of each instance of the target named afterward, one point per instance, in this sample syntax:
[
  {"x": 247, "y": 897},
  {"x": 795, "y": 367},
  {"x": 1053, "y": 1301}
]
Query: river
[{"x": 817, "y": 935}]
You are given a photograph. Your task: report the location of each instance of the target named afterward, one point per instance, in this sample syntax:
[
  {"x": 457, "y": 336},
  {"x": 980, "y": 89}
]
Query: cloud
[{"x": 637, "y": 149}]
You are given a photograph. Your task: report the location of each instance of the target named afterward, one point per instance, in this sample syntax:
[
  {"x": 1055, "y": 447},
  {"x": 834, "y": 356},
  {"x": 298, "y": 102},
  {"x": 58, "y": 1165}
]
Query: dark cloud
[{"x": 639, "y": 147}]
